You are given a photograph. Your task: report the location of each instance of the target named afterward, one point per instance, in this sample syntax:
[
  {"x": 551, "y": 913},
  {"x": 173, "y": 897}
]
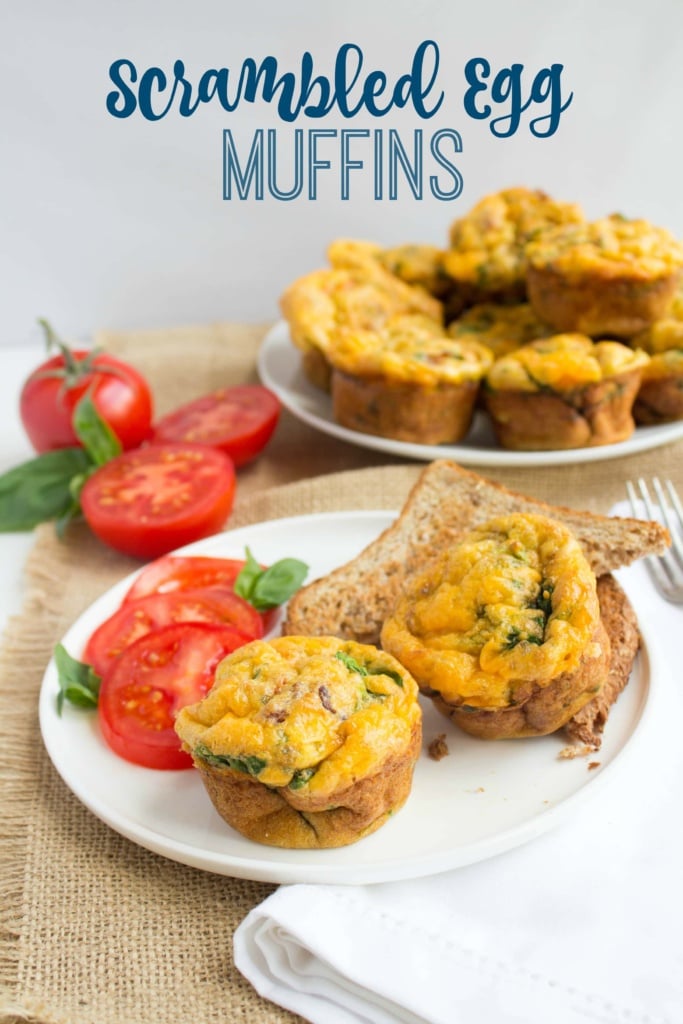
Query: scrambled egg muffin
[
  {"x": 660, "y": 398},
  {"x": 352, "y": 252},
  {"x": 613, "y": 276},
  {"x": 565, "y": 391},
  {"x": 488, "y": 245},
  {"x": 501, "y": 328},
  {"x": 407, "y": 381},
  {"x": 503, "y": 631},
  {"x": 306, "y": 742},
  {"x": 361, "y": 297},
  {"x": 420, "y": 265}
]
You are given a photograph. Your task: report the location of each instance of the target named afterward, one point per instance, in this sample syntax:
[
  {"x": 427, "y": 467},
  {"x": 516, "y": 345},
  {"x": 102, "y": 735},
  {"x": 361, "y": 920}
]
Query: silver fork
[{"x": 666, "y": 570}]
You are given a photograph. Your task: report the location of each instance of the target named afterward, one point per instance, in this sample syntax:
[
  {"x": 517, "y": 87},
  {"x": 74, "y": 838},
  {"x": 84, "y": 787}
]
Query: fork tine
[
  {"x": 665, "y": 514},
  {"x": 676, "y": 543},
  {"x": 657, "y": 566},
  {"x": 646, "y": 499}
]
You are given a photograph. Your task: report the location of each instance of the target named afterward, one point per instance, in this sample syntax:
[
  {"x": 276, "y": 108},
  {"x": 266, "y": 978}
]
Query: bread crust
[
  {"x": 295, "y": 820},
  {"x": 444, "y": 504},
  {"x": 619, "y": 619}
]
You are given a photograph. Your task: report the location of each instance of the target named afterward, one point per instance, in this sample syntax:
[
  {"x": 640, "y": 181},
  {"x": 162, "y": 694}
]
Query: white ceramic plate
[
  {"x": 280, "y": 370},
  {"x": 482, "y": 799}
]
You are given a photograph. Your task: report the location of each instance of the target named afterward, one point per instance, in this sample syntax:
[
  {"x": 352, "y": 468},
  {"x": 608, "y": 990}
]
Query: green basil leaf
[
  {"x": 96, "y": 436},
  {"x": 274, "y": 586},
  {"x": 363, "y": 670},
  {"x": 392, "y": 673},
  {"x": 246, "y": 580},
  {"x": 38, "y": 490},
  {"x": 249, "y": 763},
  {"x": 351, "y": 663},
  {"x": 301, "y": 777},
  {"x": 74, "y": 510},
  {"x": 79, "y": 684},
  {"x": 268, "y": 588}
]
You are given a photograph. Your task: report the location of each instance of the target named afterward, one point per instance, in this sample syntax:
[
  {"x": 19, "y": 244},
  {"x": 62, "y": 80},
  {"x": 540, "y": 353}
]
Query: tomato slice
[
  {"x": 188, "y": 572},
  {"x": 152, "y": 680},
  {"x": 135, "y": 619},
  {"x": 185, "y": 572},
  {"x": 239, "y": 421},
  {"x": 148, "y": 501}
]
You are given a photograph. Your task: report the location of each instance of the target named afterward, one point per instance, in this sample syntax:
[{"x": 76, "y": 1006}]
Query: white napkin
[{"x": 582, "y": 924}]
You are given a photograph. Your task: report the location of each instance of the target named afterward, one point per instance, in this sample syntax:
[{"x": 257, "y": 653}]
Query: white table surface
[{"x": 15, "y": 365}]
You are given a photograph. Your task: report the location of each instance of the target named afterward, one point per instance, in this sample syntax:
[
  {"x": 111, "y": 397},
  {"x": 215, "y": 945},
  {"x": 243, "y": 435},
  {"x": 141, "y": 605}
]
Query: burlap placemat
[{"x": 94, "y": 928}]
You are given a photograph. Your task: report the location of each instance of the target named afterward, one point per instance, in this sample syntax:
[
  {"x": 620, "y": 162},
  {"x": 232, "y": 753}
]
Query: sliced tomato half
[
  {"x": 135, "y": 619},
  {"x": 185, "y": 572},
  {"x": 152, "y": 680},
  {"x": 148, "y": 501},
  {"x": 173, "y": 573},
  {"x": 239, "y": 420}
]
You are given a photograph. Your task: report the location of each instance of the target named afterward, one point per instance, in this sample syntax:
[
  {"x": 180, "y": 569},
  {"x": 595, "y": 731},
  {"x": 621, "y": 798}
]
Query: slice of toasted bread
[
  {"x": 620, "y": 622},
  {"x": 353, "y": 601}
]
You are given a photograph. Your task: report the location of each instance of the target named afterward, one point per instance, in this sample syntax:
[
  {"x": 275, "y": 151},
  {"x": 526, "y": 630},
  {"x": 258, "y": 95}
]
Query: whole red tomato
[{"x": 48, "y": 398}]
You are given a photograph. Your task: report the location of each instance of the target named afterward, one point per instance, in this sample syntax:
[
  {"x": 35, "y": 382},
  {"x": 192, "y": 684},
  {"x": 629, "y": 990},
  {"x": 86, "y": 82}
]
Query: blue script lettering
[
  {"x": 154, "y": 94},
  {"x": 507, "y": 94}
]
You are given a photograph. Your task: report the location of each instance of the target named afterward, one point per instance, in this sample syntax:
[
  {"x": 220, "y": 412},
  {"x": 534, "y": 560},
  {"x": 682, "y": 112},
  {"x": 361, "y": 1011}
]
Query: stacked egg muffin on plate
[{"x": 530, "y": 312}]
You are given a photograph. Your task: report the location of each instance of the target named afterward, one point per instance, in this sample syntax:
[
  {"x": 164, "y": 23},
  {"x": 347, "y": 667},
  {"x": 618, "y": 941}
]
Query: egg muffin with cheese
[
  {"x": 500, "y": 328},
  {"x": 564, "y": 391},
  {"x": 420, "y": 265},
  {"x": 487, "y": 254},
  {"x": 611, "y": 277},
  {"x": 352, "y": 252},
  {"x": 660, "y": 398},
  {"x": 407, "y": 381},
  {"x": 306, "y": 742},
  {"x": 363, "y": 296},
  {"x": 503, "y": 631}
]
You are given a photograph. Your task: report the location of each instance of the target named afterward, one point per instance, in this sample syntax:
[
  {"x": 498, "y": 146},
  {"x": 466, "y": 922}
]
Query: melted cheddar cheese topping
[
  {"x": 352, "y": 252},
  {"x": 420, "y": 265},
  {"x": 515, "y": 602},
  {"x": 488, "y": 244},
  {"x": 665, "y": 364},
  {"x": 362, "y": 297},
  {"x": 665, "y": 333},
  {"x": 303, "y": 711},
  {"x": 411, "y": 349},
  {"x": 500, "y": 328},
  {"x": 611, "y": 247},
  {"x": 561, "y": 363}
]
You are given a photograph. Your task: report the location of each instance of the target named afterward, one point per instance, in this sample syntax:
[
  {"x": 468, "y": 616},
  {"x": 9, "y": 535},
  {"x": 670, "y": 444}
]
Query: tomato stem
[
  {"x": 52, "y": 340},
  {"x": 74, "y": 369}
]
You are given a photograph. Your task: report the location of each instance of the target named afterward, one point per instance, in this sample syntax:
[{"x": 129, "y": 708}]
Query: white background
[{"x": 121, "y": 223}]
